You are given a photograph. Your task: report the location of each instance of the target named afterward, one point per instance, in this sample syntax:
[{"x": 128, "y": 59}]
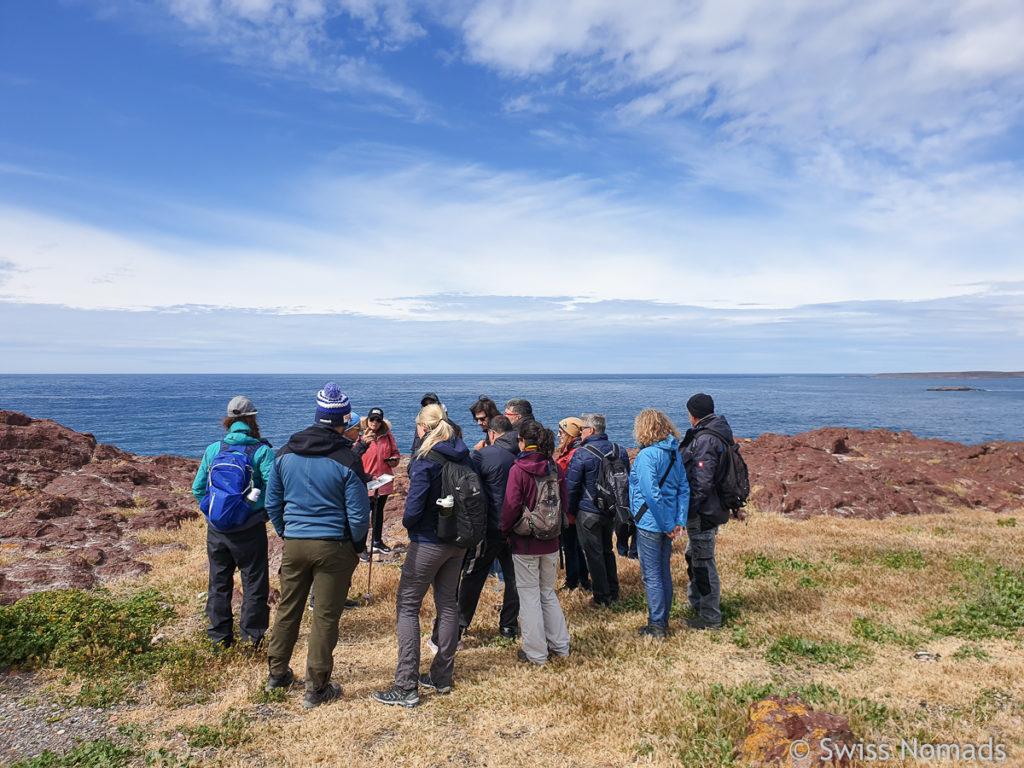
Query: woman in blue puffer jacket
[{"x": 659, "y": 497}]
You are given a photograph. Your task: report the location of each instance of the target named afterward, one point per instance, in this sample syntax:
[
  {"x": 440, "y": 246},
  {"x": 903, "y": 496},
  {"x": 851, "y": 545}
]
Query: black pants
[
  {"x": 576, "y": 573},
  {"x": 474, "y": 577},
  {"x": 245, "y": 551},
  {"x": 377, "y": 504},
  {"x": 595, "y": 532},
  {"x": 625, "y": 540}
]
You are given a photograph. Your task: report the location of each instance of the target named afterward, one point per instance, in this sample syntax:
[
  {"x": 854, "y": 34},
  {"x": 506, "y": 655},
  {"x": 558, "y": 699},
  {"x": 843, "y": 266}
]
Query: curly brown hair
[{"x": 652, "y": 426}]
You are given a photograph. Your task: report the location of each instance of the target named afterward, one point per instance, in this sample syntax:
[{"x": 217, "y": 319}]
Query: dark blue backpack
[{"x": 228, "y": 482}]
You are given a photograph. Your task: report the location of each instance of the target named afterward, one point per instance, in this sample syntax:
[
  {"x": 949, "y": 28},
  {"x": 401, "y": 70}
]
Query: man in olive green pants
[{"x": 317, "y": 502}]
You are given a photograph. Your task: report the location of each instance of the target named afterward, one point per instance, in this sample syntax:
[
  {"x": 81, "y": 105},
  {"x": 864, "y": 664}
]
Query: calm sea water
[{"x": 181, "y": 414}]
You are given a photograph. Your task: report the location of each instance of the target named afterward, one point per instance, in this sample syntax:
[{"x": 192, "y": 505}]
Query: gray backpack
[{"x": 547, "y": 518}]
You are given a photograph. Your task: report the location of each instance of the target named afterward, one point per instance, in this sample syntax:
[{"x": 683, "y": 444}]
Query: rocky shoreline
[{"x": 69, "y": 506}]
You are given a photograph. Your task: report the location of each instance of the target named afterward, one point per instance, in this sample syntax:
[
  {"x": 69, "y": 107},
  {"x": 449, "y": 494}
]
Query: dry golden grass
[{"x": 619, "y": 700}]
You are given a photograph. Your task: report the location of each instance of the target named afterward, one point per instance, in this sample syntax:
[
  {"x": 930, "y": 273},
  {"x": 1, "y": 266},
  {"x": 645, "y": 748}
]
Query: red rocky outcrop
[
  {"x": 877, "y": 473},
  {"x": 67, "y": 503}
]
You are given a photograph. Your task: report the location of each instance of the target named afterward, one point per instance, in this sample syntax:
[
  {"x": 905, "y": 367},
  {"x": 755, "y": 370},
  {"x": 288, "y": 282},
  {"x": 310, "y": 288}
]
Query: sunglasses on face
[{"x": 373, "y": 419}]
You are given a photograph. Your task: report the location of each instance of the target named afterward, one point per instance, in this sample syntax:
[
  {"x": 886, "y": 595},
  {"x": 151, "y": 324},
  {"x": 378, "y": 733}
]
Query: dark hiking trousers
[
  {"x": 704, "y": 589},
  {"x": 474, "y": 576},
  {"x": 377, "y": 504},
  {"x": 326, "y": 565},
  {"x": 595, "y": 532},
  {"x": 426, "y": 565},
  {"x": 245, "y": 551},
  {"x": 576, "y": 573}
]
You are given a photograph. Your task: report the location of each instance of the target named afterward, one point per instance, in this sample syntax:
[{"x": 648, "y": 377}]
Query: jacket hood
[
  {"x": 509, "y": 441},
  {"x": 238, "y": 434},
  {"x": 453, "y": 449},
  {"x": 385, "y": 426},
  {"x": 317, "y": 440},
  {"x": 716, "y": 423},
  {"x": 533, "y": 462},
  {"x": 669, "y": 444}
]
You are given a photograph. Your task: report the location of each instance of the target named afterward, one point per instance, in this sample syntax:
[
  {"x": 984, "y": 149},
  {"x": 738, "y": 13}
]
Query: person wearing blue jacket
[
  {"x": 243, "y": 548},
  {"x": 429, "y": 562},
  {"x": 659, "y": 498},
  {"x": 317, "y": 502}
]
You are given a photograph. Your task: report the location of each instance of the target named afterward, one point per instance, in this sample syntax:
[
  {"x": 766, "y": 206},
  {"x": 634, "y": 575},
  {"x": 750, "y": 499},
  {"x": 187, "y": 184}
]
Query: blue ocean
[{"x": 181, "y": 414}]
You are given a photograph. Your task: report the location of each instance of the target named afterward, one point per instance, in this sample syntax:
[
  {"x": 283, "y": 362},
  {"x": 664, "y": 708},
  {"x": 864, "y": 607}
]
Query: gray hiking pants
[
  {"x": 541, "y": 620},
  {"x": 704, "y": 589}
]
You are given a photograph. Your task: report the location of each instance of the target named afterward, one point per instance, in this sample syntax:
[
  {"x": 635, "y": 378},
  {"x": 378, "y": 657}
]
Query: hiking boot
[
  {"x": 380, "y": 548},
  {"x": 698, "y": 623},
  {"x": 595, "y": 603},
  {"x": 283, "y": 681},
  {"x": 395, "y": 695},
  {"x": 653, "y": 630},
  {"x": 364, "y": 557},
  {"x": 429, "y": 684},
  {"x": 521, "y": 656},
  {"x": 509, "y": 633},
  {"x": 329, "y": 692},
  {"x": 350, "y": 604}
]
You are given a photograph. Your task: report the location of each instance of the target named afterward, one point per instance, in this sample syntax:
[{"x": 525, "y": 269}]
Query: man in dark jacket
[
  {"x": 493, "y": 463},
  {"x": 317, "y": 502},
  {"x": 703, "y": 447},
  {"x": 431, "y": 398},
  {"x": 593, "y": 527}
]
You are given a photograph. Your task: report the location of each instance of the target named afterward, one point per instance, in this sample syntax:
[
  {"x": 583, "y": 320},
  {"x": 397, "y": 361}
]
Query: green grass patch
[
  {"x": 232, "y": 731},
  {"x": 90, "y": 633},
  {"x": 789, "y": 649},
  {"x": 971, "y": 651},
  {"x": 990, "y": 603},
  {"x": 102, "y": 753},
  {"x": 760, "y": 565},
  {"x": 882, "y": 633},
  {"x": 1007, "y": 522},
  {"x": 902, "y": 559}
]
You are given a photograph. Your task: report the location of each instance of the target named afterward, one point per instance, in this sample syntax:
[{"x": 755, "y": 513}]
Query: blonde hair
[
  {"x": 438, "y": 430},
  {"x": 652, "y": 426}
]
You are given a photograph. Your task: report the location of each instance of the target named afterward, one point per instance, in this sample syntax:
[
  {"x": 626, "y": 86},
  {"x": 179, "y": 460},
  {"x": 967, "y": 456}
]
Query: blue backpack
[{"x": 228, "y": 482}]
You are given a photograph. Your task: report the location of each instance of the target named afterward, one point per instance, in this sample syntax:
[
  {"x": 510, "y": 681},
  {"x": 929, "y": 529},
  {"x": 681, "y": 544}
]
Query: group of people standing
[{"x": 315, "y": 495}]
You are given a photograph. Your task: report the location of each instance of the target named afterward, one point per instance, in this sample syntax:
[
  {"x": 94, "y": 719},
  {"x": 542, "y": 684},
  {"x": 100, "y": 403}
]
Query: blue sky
[{"x": 511, "y": 185}]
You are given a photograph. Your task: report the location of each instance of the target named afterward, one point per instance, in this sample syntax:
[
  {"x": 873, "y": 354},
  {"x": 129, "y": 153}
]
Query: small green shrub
[
  {"x": 1007, "y": 522},
  {"x": 789, "y": 648}
]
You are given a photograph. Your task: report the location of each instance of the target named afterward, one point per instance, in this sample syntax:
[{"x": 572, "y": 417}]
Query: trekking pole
[{"x": 369, "y": 574}]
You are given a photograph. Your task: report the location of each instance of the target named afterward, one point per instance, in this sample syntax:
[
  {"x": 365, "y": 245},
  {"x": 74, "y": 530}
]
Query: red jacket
[
  {"x": 374, "y": 464},
  {"x": 563, "y": 463},
  {"x": 522, "y": 491}
]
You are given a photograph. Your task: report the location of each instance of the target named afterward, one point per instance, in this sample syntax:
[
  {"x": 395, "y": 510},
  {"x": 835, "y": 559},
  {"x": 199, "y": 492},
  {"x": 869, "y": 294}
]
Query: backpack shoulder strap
[{"x": 436, "y": 457}]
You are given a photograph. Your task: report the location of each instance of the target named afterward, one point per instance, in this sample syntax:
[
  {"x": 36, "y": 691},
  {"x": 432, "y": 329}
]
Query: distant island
[{"x": 954, "y": 375}]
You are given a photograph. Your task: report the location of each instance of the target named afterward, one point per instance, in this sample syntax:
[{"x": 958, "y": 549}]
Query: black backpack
[
  {"x": 611, "y": 489},
  {"x": 732, "y": 480},
  {"x": 463, "y": 484}
]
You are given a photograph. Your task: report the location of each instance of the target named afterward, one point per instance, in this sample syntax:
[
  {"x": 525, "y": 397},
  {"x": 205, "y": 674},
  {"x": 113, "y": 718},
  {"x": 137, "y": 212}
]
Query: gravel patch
[{"x": 34, "y": 720}]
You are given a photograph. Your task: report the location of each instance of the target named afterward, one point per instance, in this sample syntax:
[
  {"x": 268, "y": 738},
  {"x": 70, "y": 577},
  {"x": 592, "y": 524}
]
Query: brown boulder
[{"x": 785, "y": 732}]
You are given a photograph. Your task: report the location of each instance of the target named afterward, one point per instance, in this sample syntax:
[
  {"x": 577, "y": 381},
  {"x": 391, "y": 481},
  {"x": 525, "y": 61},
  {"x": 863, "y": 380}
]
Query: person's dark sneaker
[
  {"x": 351, "y": 604},
  {"x": 521, "y": 656},
  {"x": 595, "y": 603},
  {"x": 329, "y": 692},
  {"x": 429, "y": 684},
  {"x": 283, "y": 681},
  {"x": 380, "y": 548},
  {"x": 364, "y": 557},
  {"x": 395, "y": 695},
  {"x": 509, "y": 633},
  {"x": 653, "y": 630},
  {"x": 567, "y": 587},
  {"x": 698, "y": 623}
]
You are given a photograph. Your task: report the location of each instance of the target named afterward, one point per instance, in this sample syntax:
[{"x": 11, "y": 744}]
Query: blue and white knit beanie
[{"x": 332, "y": 405}]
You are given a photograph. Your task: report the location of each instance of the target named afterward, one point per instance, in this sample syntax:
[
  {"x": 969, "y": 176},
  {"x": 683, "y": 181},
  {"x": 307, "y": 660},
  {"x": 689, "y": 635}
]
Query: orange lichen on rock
[{"x": 785, "y": 732}]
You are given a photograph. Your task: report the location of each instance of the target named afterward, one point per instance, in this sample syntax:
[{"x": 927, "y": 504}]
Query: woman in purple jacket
[{"x": 541, "y": 620}]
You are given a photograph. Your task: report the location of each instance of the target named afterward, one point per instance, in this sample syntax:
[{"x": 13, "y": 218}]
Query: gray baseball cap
[{"x": 241, "y": 406}]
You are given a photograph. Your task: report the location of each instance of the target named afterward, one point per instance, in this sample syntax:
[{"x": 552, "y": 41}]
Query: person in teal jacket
[
  {"x": 659, "y": 498},
  {"x": 243, "y": 548}
]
